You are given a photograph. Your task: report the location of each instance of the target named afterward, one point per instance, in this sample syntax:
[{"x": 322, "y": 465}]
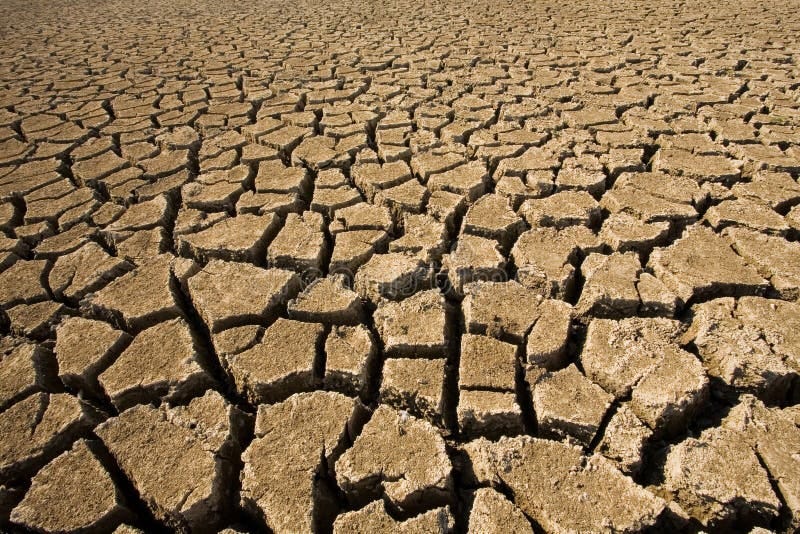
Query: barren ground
[{"x": 488, "y": 267}]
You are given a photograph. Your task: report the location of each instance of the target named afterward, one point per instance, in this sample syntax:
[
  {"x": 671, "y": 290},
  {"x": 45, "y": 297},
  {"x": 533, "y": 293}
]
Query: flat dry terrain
[{"x": 487, "y": 267}]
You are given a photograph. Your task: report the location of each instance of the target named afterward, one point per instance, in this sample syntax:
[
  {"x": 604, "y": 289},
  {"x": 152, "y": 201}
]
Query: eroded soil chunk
[
  {"x": 492, "y": 513},
  {"x": 228, "y": 294},
  {"x": 38, "y": 428},
  {"x": 141, "y": 298},
  {"x": 179, "y": 459},
  {"x": 567, "y": 404},
  {"x": 374, "y": 518},
  {"x": 400, "y": 456},
  {"x": 241, "y": 238},
  {"x": 701, "y": 265},
  {"x": 752, "y": 343},
  {"x": 642, "y": 358},
  {"x": 719, "y": 481},
  {"x": 415, "y": 385},
  {"x": 84, "y": 348},
  {"x": 327, "y": 300},
  {"x": 546, "y": 474},
  {"x": 25, "y": 368},
  {"x": 268, "y": 372},
  {"x": 72, "y": 493},
  {"x": 486, "y": 309},
  {"x": 414, "y": 327},
  {"x": 391, "y": 276},
  {"x": 160, "y": 363},
  {"x": 295, "y": 442},
  {"x": 349, "y": 354}
]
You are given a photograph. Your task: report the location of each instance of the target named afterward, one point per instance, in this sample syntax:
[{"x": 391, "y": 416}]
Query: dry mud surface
[{"x": 487, "y": 267}]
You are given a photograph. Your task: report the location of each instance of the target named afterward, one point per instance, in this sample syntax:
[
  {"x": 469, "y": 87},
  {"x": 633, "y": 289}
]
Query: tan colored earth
[{"x": 351, "y": 266}]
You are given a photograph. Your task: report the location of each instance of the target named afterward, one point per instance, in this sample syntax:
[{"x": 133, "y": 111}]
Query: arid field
[{"x": 406, "y": 267}]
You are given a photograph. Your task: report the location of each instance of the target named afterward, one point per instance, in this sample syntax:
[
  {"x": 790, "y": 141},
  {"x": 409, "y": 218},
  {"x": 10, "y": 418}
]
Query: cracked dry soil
[{"x": 408, "y": 267}]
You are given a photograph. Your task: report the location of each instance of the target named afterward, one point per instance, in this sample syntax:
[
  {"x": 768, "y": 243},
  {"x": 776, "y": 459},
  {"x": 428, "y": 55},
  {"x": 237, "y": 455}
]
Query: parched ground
[{"x": 487, "y": 267}]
